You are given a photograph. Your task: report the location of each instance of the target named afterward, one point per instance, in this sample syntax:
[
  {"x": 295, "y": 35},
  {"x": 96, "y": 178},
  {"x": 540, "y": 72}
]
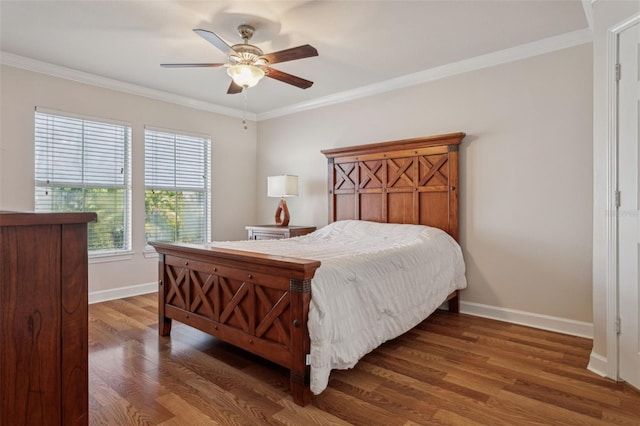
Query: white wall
[
  {"x": 233, "y": 158},
  {"x": 525, "y": 178},
  {"x": 606, "y": 15}
]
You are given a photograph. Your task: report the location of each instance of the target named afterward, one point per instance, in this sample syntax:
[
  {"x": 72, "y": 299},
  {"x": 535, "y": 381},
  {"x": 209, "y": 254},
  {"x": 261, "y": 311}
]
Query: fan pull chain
[{"x": 244, "y": 111}]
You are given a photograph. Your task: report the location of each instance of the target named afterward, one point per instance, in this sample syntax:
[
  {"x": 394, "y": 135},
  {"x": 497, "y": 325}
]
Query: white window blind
[
  {"x": 82, "y": 165},
  {"x": 177, "y": 187}
]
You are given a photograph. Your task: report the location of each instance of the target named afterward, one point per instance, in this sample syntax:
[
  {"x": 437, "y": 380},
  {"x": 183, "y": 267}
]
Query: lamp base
[{"x": 282, "y": 213}]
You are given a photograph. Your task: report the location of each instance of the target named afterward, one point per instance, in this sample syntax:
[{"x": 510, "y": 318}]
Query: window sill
[{"x": 110, "y": 257}]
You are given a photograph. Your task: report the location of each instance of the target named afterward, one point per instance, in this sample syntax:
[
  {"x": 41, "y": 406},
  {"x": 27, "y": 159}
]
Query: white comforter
[{"x": 376, "y": 281}]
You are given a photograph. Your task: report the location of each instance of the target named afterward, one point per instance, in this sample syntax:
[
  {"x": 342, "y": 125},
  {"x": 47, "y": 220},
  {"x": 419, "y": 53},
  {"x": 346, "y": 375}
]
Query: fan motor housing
[{"x": 247, "y": 53}]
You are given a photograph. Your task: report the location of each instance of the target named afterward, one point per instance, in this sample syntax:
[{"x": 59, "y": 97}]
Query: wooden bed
[{"x": 260, "y": 302}]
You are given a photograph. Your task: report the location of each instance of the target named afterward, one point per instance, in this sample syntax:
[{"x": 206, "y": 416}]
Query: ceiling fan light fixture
[
  {"x": 245, "y": 75},
  {"x": 248, "y": 64}
]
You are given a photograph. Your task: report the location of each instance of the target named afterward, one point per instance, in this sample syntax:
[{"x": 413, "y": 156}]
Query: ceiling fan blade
[
  {"x": 288, "y": 78},
  {"x": 216, "y": 41},
  {"x": 294, "y": 53},
  {"x": 190, "y": 65},
  {"x": 234, "y": 88}
]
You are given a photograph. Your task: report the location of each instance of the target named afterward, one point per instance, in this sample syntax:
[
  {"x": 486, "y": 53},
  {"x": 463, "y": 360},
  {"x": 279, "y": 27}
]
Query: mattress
[{"x": 376, "y": 281}]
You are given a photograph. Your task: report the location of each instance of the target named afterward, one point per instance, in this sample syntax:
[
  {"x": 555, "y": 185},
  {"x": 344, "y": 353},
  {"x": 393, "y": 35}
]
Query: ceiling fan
[{"x": 247, "y": 63}]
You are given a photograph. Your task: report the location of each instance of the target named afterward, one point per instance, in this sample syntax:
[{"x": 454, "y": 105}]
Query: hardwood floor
[{"x": 451, "y": 369}]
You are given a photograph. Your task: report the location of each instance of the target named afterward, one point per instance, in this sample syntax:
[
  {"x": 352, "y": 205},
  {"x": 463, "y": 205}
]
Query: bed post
[
  {"x": 164, "y": 323},
  {"x": 300, "y": 343},
  {"x": 454, "y": 302},
  {"x": 453, "y": 191},
  {"x": 331, "y": 187}
]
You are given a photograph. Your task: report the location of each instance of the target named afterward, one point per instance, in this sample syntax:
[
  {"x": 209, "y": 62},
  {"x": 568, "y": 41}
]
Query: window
[
  {"x": 82, "y": 165},
  {"x": 177, "y": 187}
]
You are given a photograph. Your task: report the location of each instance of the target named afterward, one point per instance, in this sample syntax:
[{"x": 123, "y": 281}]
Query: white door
[{"x": 629, "y": 211}]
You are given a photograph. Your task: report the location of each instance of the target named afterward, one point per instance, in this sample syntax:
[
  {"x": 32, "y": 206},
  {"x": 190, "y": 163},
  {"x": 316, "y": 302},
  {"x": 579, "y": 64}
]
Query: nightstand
[{"x": 276, "y": 232}]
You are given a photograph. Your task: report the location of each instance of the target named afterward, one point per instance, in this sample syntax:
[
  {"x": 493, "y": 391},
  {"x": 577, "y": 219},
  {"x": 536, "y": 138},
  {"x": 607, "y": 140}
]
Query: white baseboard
[
  {"x": 600, "y": 365},
  {"x": 544, "y": 322},
  {"x": 121, "y": 292}
]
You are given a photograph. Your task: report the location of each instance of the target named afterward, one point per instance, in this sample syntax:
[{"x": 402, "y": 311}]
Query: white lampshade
[
  {"x": 282, "y": 186},
  {"x": 245, "y": 75}
]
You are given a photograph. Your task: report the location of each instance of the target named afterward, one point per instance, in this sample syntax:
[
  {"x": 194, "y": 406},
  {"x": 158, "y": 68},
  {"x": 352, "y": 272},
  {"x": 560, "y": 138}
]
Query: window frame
[
  {"x": 103, "y": 255},
  {"x": 205, "y": 189}
]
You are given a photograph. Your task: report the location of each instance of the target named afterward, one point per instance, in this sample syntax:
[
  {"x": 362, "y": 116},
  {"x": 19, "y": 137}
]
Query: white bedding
[{"x": 376, "y": 281}]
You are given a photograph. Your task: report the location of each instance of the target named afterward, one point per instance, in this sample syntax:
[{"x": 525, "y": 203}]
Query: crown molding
[
  {"x": 540, "y": 47},
  {"x": 29, "y": 64}
]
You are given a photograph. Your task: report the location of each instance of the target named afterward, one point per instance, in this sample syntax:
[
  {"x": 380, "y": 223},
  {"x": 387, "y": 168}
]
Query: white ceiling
[{"x": 360, "y": 43}]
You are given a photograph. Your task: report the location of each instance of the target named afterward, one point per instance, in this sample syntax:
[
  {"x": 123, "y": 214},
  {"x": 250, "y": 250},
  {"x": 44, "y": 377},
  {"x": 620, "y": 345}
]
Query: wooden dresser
[{"x": 44, "y": 318}]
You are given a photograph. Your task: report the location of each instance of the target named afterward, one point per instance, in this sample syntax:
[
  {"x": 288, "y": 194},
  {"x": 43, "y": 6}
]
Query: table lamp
[{"x": 282, "y": 186}]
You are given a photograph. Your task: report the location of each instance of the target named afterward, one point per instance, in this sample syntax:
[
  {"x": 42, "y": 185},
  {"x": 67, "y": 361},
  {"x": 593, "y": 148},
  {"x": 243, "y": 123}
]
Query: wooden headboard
[{"x": 407, "y": 181}]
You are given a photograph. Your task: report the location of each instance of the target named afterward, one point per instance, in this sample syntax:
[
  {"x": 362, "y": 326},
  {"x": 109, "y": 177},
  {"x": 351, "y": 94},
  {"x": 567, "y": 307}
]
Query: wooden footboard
[{"x": 257, "y": 302}]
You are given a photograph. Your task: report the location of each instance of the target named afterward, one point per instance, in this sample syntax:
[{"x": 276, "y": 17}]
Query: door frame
[{"x": 612, "y": 281}]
